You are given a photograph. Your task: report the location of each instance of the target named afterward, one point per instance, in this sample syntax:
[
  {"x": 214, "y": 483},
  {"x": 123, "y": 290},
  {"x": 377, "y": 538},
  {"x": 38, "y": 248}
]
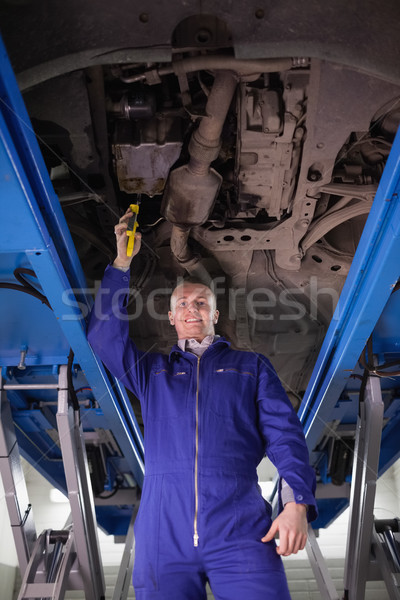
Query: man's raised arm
[{"x": 108, "y": 327}]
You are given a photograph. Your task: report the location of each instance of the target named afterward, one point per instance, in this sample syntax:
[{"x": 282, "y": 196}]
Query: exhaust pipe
[{"x": 192, "y": 189}]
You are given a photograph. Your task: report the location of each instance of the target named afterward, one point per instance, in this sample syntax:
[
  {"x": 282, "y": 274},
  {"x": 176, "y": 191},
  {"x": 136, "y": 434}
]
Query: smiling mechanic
[{"x": 210, "y": 415}]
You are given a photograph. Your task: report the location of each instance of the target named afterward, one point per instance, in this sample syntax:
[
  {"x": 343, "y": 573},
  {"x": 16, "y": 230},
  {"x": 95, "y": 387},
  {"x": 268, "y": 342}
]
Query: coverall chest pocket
[
  {"x": 233, "y": 391},
  {"x": 169, "y": 389}
]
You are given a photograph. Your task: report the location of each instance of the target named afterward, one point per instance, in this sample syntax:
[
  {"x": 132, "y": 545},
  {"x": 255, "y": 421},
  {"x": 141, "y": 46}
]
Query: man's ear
[
  {"x": 171, "y": 317},
  {"x": 216, "y": 315}
]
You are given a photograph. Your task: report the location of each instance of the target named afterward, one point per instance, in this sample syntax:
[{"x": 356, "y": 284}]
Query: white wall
[
  {"x": 47, "y": 514},
  {"x": 8, "y": 555}
]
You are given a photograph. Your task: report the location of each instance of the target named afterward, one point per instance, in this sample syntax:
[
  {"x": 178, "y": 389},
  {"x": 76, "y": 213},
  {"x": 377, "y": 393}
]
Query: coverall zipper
[{"x": 196, "y": 461}]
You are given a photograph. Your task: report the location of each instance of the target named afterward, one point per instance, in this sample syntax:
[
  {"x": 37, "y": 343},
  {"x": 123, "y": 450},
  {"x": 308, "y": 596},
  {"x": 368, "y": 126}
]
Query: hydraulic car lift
[
  {"x": 59, "y": 412},
  {"x": 62, "y": 412},
  {"x": 367, "y": 317}
]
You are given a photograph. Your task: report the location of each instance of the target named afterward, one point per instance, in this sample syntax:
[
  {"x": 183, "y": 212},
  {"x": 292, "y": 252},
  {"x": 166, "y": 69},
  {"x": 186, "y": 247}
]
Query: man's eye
[{"x": 182, "y": 304}]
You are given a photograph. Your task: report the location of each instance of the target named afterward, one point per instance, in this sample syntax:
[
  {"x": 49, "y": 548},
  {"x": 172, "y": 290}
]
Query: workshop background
[{"x": 51, "y": 509}]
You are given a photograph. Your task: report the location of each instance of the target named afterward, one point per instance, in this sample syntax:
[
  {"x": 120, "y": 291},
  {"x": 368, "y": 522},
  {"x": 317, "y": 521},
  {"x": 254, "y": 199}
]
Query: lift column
[
  {"x": 363, "y": 488},
  {"x": 79, "y": 493}
]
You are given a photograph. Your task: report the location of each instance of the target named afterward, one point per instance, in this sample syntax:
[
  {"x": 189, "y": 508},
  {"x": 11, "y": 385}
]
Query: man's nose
[{"x": 192, "y": 306}]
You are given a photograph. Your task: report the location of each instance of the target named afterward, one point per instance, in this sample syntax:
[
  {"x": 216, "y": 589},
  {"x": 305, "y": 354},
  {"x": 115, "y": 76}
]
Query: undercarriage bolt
[
  {"x": 22, "y": 365},
  {"x": 314, "y": 175}
]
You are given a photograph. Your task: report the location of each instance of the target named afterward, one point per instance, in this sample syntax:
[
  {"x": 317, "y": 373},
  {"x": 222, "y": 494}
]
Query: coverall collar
[{"x": 217, "y": 343}]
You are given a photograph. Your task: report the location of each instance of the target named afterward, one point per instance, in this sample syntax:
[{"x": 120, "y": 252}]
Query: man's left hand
[{"x": 292, "y": 527}]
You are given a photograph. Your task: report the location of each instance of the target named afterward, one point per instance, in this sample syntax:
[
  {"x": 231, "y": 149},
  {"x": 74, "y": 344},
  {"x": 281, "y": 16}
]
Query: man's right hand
[{"x": 122, "y": 259}]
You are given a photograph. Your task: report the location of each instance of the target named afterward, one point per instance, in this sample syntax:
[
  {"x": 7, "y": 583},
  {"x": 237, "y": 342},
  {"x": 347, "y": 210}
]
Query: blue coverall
[{"x": 208, "y": 423}]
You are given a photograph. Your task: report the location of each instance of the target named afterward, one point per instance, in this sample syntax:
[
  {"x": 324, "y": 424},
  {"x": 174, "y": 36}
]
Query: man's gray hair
[{"x": 192, "y": 280}]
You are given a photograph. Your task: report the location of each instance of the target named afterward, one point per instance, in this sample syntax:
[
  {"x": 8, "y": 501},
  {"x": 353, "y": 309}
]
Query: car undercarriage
[{"x": 255, "y": 156}]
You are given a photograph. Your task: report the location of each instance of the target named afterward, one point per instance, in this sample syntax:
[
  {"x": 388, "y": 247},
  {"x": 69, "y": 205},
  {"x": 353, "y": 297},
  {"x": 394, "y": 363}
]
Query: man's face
[{"x": 193, "y": 311}]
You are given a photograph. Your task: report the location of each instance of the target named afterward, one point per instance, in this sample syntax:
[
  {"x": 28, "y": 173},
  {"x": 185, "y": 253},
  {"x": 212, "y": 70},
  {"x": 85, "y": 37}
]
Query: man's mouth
[{"x": 192, "y": 320}]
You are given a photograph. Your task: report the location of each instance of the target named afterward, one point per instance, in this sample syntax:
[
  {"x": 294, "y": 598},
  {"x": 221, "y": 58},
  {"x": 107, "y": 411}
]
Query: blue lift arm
[
  {"x": 366, "y": 307},
  {"x": 34, "y": 235}
]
